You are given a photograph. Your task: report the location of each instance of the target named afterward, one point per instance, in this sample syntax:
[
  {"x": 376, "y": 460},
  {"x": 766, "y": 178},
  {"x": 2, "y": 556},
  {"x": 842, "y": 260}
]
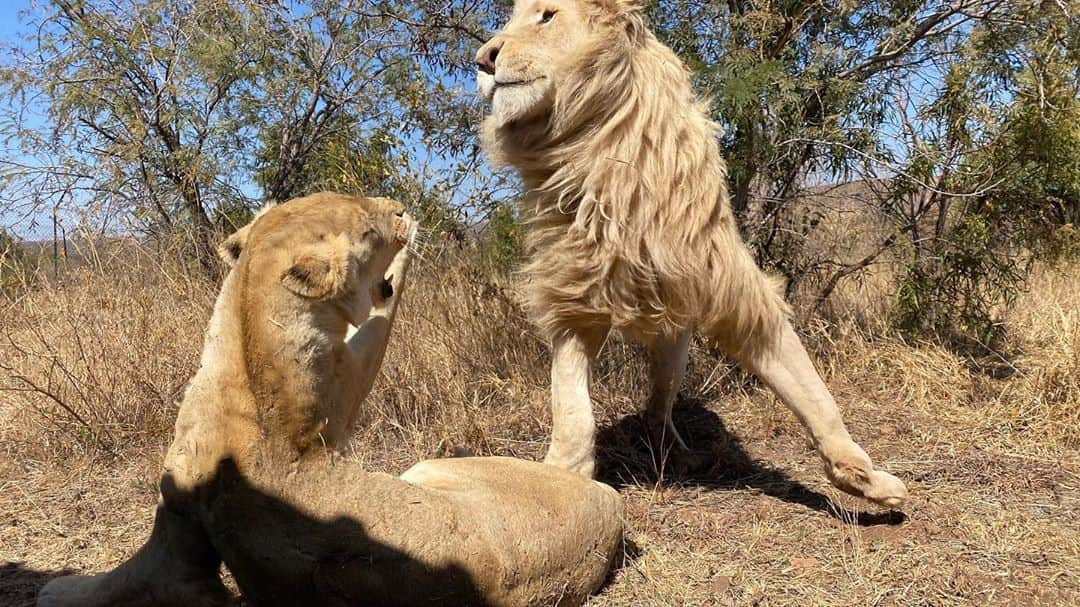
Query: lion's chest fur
[
  {"x": 618, "y": 249},
  {"x": 626, "y": 200}
]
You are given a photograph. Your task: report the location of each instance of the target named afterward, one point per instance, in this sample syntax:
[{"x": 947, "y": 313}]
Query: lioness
[
  {"x": 630, "y": 224},
  {"x": 251, "y": 478}
]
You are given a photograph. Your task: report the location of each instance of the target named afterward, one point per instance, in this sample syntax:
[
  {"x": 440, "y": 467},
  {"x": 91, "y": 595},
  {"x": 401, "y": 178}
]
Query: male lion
[
  {"x": 250, "y": 479},
  {"x": 630, "y": 224}
]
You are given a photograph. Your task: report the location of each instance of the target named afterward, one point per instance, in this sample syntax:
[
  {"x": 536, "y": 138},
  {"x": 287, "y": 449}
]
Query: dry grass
[{"x": 92, "y": 369}]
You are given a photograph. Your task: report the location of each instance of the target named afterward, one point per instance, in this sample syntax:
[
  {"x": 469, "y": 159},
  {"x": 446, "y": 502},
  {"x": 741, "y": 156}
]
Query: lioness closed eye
[{"x": 629, "y": 224}]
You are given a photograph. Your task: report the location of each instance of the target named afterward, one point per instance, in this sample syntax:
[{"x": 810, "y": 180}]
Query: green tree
[
  {"x": 138, "y": 104},
  {"x": 160, "y": 113},
  {"x": 1011, "y": 106},
  {"x": 952, "y": 117},
  {"x": 503, "y": 242}
]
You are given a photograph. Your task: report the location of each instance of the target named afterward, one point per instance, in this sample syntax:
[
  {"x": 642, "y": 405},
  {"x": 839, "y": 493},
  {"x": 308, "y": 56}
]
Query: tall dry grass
[
  {"x": 1023, "y": 396},
  {"x": 96, "y": 361},
  {"x": 93, "y": 360}
]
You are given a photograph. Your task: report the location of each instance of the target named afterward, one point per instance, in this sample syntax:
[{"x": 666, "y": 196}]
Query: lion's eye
[{"x": 547, "y": 15}]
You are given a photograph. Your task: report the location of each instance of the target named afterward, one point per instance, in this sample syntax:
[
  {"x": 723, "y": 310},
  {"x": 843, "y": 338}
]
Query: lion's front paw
[
  {"x": 855, "y": 474},
  {"x": 67, "y": 590}
]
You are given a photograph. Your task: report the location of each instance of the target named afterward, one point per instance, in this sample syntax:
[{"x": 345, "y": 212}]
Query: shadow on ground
[
  {"x": 19, "y": 585},
  {"x": 717, "y": 460}
]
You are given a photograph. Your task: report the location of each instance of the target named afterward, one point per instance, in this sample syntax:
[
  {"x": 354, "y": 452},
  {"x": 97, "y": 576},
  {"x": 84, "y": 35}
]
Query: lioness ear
[
  {"x": 321, "y": 270},
  {"x": 230, "y": 249}
]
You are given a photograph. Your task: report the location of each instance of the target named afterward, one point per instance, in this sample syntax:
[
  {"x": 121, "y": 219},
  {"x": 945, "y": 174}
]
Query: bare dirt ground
[{"x": 991, "y": 459}]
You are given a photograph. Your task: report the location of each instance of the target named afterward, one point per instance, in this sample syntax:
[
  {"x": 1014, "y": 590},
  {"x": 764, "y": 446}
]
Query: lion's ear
[
  {"x": 230, "y": 249},
  {"x": 623, "y": 14},
  {"x": 320, "y": 271}
]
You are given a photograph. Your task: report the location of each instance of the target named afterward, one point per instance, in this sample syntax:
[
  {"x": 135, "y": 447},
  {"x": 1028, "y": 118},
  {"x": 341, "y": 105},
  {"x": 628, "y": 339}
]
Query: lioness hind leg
[
  {"x": 573, "y": 426},
  {"x": 176, "y": 567},
  {"x": 787, "y": 369},
  {"x": 668, "y": 356}
]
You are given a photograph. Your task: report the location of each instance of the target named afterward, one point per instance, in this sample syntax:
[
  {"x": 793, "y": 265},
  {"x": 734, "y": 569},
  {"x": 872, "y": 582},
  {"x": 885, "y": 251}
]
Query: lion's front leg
[
  {"x": 790, "y": 373},
  {"x": 573, "y": 427},
  {"x": 176, "y": 567}
]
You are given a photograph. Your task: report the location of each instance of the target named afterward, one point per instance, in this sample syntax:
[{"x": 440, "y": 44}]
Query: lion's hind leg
[
  {"x": 668, "y": 355},
  {"x": 176, "y": 567}
]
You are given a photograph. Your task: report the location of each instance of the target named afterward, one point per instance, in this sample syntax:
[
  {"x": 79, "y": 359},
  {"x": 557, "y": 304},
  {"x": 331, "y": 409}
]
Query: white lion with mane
[{"x": 630, "y": 225}]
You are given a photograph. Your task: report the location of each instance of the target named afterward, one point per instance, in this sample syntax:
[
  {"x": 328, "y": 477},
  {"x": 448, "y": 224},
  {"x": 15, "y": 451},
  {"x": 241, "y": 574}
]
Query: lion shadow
[
  {"x": 717, "y": 461},
  {"x": 19, "y": 584}
]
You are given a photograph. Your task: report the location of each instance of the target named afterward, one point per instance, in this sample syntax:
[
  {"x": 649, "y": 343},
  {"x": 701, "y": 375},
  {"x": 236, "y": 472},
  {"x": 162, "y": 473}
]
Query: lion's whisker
[{"x": 417, "y": 254}]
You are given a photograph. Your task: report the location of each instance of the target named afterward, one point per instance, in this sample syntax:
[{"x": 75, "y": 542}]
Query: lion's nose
[{"x": 485, "y": 57}]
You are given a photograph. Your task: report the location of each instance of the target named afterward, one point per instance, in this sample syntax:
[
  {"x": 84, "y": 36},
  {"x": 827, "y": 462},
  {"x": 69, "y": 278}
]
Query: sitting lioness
[{"x": 252, "y": 479}]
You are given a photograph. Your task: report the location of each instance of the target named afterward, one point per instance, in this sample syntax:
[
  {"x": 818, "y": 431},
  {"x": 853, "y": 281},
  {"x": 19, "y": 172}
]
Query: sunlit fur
[
  {"x": 626, "y": 200},
  {"x": 251, "y": 480}
]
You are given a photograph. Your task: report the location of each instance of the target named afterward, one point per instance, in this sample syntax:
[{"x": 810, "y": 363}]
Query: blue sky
[
  {"x": 10, "y": 28},
  {"x": 9, "y": 23}
]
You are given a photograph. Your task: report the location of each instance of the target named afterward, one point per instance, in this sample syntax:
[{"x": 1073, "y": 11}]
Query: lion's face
[
  {"x": 518, "y": 69},
  {"x": 325, "y": 250}
]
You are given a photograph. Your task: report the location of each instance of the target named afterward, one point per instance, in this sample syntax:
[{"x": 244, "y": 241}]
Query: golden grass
[
  {"x": 98, "y": 360},
  {"x": 91, "y": 369}
]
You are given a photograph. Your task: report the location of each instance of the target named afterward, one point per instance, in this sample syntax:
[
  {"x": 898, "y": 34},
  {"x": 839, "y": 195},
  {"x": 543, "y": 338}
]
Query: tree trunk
[{"x": 202, "y": 228}]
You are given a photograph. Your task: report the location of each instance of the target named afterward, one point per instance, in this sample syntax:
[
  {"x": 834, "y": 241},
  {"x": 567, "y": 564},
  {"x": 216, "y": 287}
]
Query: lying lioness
[{"x": 251, "y": 478}]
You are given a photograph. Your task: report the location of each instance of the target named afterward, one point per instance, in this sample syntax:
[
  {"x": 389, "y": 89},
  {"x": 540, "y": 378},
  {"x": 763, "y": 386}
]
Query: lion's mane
[{"x": 627, "y": 205}]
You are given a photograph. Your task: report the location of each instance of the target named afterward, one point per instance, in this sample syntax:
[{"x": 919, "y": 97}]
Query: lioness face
[
  {"x": 518, "y": 69},
  {"x": 323, "y": 250}
]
